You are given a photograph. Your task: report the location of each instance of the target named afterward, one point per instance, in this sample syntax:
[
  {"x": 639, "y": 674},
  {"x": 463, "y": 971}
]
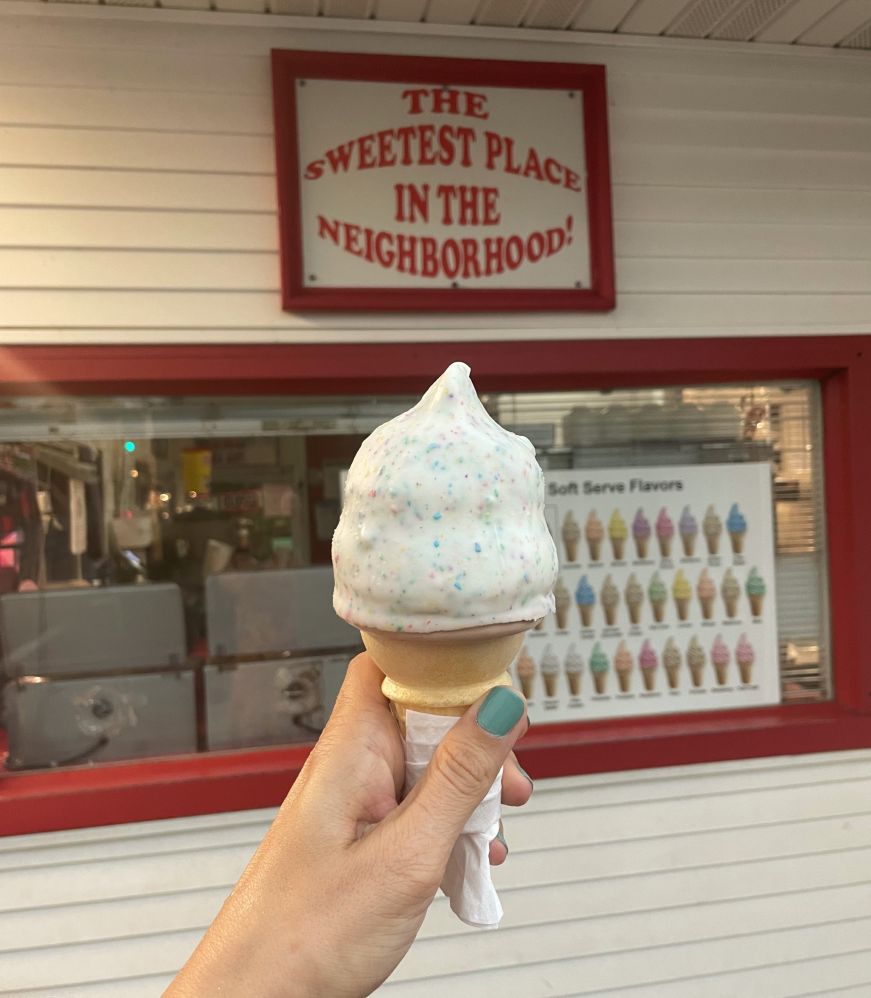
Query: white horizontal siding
[
  {"x": 742, "y": 185},
  {"x": 736, "y": 878}
]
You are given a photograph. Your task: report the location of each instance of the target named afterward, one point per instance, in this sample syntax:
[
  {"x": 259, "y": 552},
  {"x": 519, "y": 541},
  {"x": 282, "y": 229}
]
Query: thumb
[{"x": 462, "y": 770}]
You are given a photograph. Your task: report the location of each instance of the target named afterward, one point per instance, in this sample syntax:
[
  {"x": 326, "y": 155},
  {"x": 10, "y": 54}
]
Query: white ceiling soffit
[{"x": 821, "y": 23}]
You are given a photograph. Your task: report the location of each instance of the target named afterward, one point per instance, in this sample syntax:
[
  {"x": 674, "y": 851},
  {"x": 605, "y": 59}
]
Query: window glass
[{"x": 164, "y": 562}]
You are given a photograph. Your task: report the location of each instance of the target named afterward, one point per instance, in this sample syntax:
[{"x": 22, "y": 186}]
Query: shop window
[{"x": 165, "y": 579}]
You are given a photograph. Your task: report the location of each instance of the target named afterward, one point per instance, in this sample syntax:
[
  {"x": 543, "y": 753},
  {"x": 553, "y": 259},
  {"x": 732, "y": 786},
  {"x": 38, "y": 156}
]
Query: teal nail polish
[
  {"x": 501, "y": 838},
  {"x": 502, "y": 709},
  {"x": 524, "y": 773}
]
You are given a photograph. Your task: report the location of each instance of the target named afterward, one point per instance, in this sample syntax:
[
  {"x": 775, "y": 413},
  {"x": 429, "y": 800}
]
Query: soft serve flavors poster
[{"x": 665, "y": 599}]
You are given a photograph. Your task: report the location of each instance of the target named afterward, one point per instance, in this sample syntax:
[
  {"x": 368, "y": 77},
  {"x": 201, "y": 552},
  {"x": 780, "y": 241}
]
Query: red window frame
[{"x": 227, "y": 781}]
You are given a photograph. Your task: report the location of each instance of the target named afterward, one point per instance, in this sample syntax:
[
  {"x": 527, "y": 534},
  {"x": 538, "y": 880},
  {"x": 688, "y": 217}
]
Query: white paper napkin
[{"x": 467, "y": 881}]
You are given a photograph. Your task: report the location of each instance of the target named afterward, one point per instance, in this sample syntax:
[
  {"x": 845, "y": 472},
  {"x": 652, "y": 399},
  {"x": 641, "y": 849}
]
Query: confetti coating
[{"x": 443, "y": 523}]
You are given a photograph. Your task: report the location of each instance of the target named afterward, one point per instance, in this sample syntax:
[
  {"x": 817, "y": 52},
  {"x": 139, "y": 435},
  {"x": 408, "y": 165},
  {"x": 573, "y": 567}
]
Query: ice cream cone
[
  {"x": 697, "y": 672},
  {"x": 665, "y": 546},
  {"x": 707, "y": 603},
  {"x": 641, "y": 545},
  {"x": 618, "y": 545},
  {"x": 586, "y": 613},
  {"x": 550, "y": 679},
  {"x": 713, "y": 543},
  {"x": 737, "y": 541},
  {"x": 571, "y": 546},
  {"x": 625, "y": 680},
  {"x": 722, "y": 673},
  {"x": 445, "y": 671},
  {"x": 562, "y": 616},
  {"x": 635, "y": 613},
  {"x": 595, "y": 549},
  {"x": 689, "y": 544},
  {"x": 732, "y": 607},
  {"x": 610, "y": 615},
  {"x": 673, "y": 673},
  {"x": 756, "y": 605},
  {"x": 658, "y": 611},
  {"x": 683, "y": 608},
  {"x": 601, "y": 681},
  {"x": 574, "y": 683},
  {"x": 746, "y": 669},
  {"x": 649, "y": 677}
]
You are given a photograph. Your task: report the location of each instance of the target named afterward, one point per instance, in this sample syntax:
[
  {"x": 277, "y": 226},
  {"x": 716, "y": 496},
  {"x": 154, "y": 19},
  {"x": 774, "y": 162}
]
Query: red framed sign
[{"x": 441, "y": 184}]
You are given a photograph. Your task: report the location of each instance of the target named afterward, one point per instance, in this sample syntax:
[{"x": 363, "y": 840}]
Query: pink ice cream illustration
[
  {"x": 648, "y": 662},
  {"x": 664, "y": 532},
  {"x": 745, "y": 657},
  {"x": 720, "y": 656}
]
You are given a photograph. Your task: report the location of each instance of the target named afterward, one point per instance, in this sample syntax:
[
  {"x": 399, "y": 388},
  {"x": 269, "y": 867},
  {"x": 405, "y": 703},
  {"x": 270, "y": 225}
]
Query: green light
[{"x": 129, "y": 446}]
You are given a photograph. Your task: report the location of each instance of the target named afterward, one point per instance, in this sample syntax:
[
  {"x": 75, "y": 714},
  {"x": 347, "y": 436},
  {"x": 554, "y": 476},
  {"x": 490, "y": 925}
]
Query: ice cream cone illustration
[
  {"x": 658, "y": 595},
  {"x": 563, "y": 603},
  {"x": 755, "y": 587},
  {"x": 648, "y": 663},
  {"x": 574, "y": 666},
  {"x": 641, "y": 533},
  {"x": 707, "y": 593},
  {"x": 610, "y": 599},
  {"x": 731, "y": 592},
  {"x": 712, "y": 527},
  {"x": 585, "y": 597},
  {"x": 683, "y": 593},
  {"x": 634, "y": 597},
  {"x": 417, "y": 565},
  {"x": 736, "y": 524},
  {"x": 688, "y": 527},
  {"x": 745, "y": 657},
  {"x": 696, "y": 660},
  {"x": 618, "y": 532},
  {"x": 720, "y": 656},
  {"x": 599, "y": 668},
  {"x": 594, "y": 531},
  {"x": 623, "y": 667},
  {"x": 525, "y": 669},
  {"x": 671, "y": 659},
  {"x": 664, "y": 532},
  {"x": 571, "y": 537},
  {"x": 550, "y": 669}
]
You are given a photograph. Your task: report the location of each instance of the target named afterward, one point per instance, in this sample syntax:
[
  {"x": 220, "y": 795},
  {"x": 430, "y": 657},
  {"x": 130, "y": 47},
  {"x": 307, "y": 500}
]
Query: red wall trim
[{"x": 108, "y": 794}]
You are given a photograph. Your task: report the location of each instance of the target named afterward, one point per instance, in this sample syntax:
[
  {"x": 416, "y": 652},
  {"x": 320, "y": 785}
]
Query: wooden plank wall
[
  {"x": 693, "y": 882},
  {"x": 137, "y": 195}
]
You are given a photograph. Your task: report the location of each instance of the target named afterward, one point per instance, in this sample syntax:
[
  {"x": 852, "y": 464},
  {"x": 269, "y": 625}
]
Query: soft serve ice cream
[{"x": 443, "y": 521}]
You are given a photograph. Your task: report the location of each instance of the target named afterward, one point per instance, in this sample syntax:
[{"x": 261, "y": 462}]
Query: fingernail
[
  {"x": 524, "y": 773},
  {"x": 502, "y": 709},
  {"x": 501, "y": 838}
]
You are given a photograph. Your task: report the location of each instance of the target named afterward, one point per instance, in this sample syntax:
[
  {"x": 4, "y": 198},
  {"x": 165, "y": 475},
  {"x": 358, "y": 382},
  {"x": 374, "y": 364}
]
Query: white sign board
[
  {"x": 665, "y": 598},
  {"x": 396, "y": 192}
]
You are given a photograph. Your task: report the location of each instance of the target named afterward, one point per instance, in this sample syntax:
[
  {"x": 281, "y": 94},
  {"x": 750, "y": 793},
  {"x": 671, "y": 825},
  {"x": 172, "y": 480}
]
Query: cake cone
[
  {"x": 624, "y": 677},
  {"x": 527, "y": 684},
  {"x": 756, "y": 605},
  {"x": 641, "y": 546},
  {"x": 540, "y": 625},
  {"x": 601, "y": 681},
  {"x": 746, "y": 669},
  {"x": 732, "y": 607},
  {"x": 562, "y": 616},
  {"x": 713, "y": 543},
  {"x": 658, "y": 611},
  {"x": 445, "y": 671},
  {"x": 665, "y": 547},
  {"x": 707, "y": 607},
  {"x": 610, "y": 615},
  {"x": 689, "y": 544},
  {"x": 737, "y": 542},
  {"x": 618, "y": 544},
  {"x": 571, "y": 546},
  {"x": 586, "y": 613},
  {"x": 722, "y": 674},
  {"x": 550, "y": 679},
  {"x": 595, "y": 550},
  {"x": 635, "y": 613},
  {"x": 673, "y": 673},
  {"x": 683, "y": 608},
  {"x": 574, "y": 683},
  {"x": 649, "y": 677},
  {"x": 697, "y": 672}
]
